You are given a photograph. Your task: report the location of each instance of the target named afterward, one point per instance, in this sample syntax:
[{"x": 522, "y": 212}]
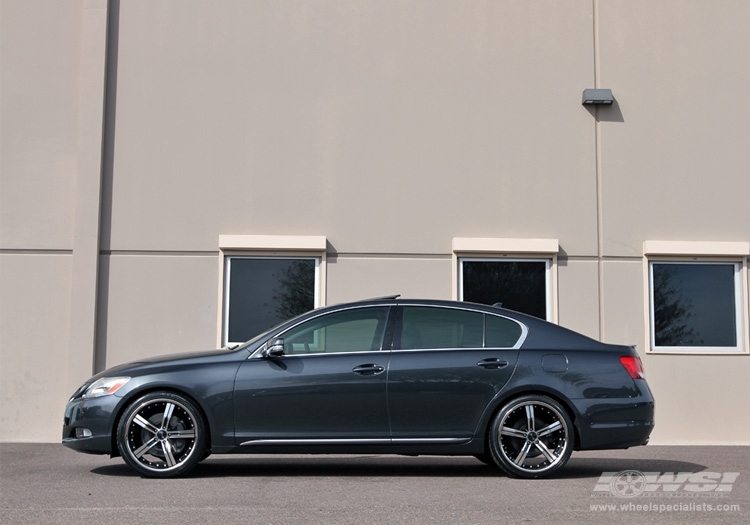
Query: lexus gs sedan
[{"x": 384, "y": 376}]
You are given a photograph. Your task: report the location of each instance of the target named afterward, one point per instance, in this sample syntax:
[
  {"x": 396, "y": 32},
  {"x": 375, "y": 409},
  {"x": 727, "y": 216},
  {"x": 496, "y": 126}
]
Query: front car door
[
  {"x": 446, "y": 366},
  {"x": 329, "y": 386}
]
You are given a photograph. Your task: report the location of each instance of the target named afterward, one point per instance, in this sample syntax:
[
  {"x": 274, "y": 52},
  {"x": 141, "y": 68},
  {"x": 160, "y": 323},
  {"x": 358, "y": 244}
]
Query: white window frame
[
  {"x": 679, "y": 252},
  {"x": 508, "y": 250},
  {"x": 284, "y": 247}
]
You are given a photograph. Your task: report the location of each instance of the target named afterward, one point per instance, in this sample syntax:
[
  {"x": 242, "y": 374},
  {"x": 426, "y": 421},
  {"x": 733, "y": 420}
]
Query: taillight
[{"x": 633, "y": 366}]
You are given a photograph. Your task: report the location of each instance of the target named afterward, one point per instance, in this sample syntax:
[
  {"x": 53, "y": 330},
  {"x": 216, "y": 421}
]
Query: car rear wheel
[
  {"x": 162, "y": 435},
  {"x": 531, "y": 437}
]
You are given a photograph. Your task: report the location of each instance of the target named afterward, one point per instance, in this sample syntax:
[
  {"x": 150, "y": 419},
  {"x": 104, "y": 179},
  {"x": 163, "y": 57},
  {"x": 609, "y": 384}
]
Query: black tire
[
  {"x": 531, "y": 437},
  {"x": 162, "y": 435}
]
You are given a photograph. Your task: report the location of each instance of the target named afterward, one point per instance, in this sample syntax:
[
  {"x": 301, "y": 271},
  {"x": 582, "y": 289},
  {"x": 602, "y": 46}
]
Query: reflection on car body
[{"x": 386, "y": 376}]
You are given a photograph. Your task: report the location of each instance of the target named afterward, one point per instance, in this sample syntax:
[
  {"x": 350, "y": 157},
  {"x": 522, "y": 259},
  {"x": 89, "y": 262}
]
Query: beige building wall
[
  {"x": 40, "y": 66},
  {"x": 674, "y": 167},
  {"x": 389, "y": 128}
]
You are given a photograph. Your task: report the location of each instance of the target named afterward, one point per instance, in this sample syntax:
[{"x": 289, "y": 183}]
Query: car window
[
  {"x": 426, "y": 327},
  {"x": 501, "y": 332},
  {"x": 359, "y": 330}
]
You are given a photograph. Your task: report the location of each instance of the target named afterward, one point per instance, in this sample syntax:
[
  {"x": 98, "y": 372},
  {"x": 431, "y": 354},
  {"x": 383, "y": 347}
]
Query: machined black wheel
[
  {"x": 531, "y": 437},
  {"x": 162, "y": 435}
]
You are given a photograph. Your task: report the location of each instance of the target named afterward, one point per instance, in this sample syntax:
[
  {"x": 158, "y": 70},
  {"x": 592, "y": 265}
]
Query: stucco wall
[{"x": 390, "y": 128}]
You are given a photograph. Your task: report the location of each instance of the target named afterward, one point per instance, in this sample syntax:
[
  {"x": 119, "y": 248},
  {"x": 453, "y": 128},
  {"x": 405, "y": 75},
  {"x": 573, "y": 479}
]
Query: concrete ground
[{"x": 50, "y": 484}]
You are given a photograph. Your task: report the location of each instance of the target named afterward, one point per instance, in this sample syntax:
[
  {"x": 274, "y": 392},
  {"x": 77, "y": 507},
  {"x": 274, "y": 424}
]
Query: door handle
[
  {"x": 493, "y": 363},
  {"x": 368, "y": 369}
]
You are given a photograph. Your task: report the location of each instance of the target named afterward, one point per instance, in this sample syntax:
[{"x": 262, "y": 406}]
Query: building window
[
  {"x": 520, "y": 274},
  {"x": 695, "y": 305},
  {"x": 696, "y": 296},
  {"x": 262, "y": 292},
  {"x": 517, "y": 284},
  {"x": 266, "y": 280}
]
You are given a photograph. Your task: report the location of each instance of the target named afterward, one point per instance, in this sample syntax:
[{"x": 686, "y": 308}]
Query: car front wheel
[
  {"x": 531, "y": 437},
  {"x": 162, "y": 435}
]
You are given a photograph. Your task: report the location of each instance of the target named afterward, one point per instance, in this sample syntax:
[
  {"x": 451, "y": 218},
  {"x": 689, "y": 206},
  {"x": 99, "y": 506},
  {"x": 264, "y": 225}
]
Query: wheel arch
[
  {"x": 499, "y": 402},
  {"x": 136, "y": 394}
]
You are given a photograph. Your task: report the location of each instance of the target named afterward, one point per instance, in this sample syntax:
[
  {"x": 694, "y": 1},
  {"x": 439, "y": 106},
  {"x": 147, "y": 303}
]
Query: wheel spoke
[
  {"x": 513, "y": 432},
  {"x": 530, "y": 418},
  {"x": 181, "y": 434},
  {"x": 522, "y": 455},
  {"x": 167, "y": 448},
  {"x": 148, "y": 445},
  {"x": 550, "y": 429},
  {"x": 167, "y": 415},
  {"x": 144, "y": 423},
  {"x": 544, "y": 450}
]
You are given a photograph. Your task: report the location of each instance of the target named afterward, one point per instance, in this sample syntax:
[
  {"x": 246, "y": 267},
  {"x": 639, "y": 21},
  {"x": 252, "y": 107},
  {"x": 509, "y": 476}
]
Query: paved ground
[{"x": 49, "y": 484}]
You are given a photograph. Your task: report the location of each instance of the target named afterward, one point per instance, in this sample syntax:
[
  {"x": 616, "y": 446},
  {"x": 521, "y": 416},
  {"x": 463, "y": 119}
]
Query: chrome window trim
[{"x": 324, "y": 354}]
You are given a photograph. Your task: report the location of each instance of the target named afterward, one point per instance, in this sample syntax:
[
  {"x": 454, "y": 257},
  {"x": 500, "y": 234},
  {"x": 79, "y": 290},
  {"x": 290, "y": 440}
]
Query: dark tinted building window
[
  {"x": 694, "y": 305},
  {"x": 262, "y": 292},
  {"x": 519, "y": 285}
]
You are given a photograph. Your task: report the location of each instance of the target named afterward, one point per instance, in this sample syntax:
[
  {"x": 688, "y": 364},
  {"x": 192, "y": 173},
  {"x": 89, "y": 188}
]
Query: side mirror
[{"x": 274, "y": 347}]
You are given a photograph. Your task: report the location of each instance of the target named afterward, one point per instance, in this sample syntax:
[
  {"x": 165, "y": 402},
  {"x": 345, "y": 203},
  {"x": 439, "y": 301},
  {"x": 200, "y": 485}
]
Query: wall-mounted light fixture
[{"x": 597, "y": 96}]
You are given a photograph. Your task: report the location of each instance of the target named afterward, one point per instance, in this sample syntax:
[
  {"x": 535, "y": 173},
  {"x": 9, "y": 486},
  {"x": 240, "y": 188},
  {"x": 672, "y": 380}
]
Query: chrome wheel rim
[
  {"x": 161, "y": 434},
  {"x": 533, "y": 436}
]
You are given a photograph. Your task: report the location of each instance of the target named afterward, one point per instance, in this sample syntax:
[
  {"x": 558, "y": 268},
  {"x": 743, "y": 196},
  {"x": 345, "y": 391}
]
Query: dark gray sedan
[{"x": 387, "y": 376}]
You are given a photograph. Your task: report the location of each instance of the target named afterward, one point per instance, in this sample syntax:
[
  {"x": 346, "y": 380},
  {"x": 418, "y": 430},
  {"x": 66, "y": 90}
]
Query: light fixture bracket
[{"x": 597, "y": 97}]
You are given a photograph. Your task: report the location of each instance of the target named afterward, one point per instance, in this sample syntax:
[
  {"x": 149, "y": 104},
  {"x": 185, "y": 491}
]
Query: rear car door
[{"x": 446, "y": 366}]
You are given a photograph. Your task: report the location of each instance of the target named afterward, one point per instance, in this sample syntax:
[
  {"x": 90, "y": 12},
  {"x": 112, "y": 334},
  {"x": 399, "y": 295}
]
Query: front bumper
[{"x": 88, "y": 425}]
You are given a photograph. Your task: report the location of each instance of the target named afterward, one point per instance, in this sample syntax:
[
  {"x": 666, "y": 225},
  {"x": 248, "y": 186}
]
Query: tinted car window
[
  {"x": 425, "y": 327},
  {"x": 359, "y": 330},
  {"x": 501, "y": 332}
]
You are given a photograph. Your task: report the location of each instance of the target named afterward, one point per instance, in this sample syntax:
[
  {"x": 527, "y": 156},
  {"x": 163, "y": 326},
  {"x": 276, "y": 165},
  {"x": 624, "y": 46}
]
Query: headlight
[{"x": 105, "y": 386}]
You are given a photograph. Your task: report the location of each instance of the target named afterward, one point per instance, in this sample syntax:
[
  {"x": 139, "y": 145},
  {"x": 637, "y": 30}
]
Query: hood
[{"x": 155, "y": 361}]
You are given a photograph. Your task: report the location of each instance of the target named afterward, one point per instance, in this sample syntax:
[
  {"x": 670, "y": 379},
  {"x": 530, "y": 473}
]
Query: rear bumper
[{"x": 615, "y": 423}]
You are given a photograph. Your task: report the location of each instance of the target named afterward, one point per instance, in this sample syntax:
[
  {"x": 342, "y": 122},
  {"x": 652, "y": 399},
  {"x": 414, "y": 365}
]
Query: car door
[
  {"x": 441, "y": 376},
  {"x": 328, "y": 386}
]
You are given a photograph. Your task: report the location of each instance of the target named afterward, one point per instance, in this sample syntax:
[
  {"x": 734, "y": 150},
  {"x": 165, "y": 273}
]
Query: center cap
[
  {"x": 161, "y": 435},
  {"x": 532, "y": 436}
]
